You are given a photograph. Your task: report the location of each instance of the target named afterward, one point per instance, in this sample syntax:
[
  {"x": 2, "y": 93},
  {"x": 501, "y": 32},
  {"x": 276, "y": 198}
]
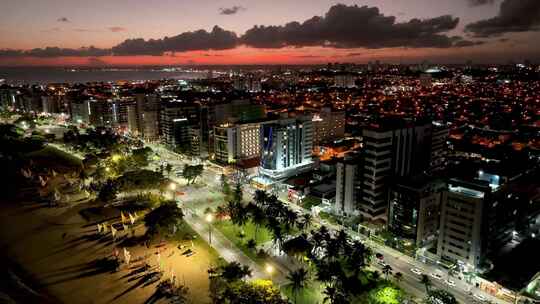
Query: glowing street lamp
[
  {"x": 172, "y": 186},
  {"x": 270, "y": 270},
  {"x": 209, "y": 219}
]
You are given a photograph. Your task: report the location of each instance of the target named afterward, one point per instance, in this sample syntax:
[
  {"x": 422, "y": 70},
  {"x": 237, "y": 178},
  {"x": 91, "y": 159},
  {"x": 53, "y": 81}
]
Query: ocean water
[{"x": 43, "y": 75}]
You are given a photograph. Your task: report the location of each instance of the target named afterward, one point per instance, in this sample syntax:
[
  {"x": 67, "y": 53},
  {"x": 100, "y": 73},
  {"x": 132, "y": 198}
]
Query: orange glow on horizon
[{"x": 241, "y": 56}]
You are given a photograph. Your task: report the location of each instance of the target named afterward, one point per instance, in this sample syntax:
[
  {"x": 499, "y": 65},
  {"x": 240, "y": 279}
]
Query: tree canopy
[
  {"x": 163, "y": 218},
  {"x": 140, "y": 180},
  {"x": 192, "y": 172}
]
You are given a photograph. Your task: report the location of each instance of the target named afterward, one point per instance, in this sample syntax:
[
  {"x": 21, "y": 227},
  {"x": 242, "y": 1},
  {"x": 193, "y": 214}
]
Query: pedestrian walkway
[{"x": 224, "y": 247}]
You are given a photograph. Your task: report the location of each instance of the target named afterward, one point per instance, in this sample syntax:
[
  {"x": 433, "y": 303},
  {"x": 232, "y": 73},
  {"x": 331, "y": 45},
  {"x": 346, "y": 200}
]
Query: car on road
[
  {"x": 436, "y": 276},
  {"x": 382, "y": 263},
  {"x": 479, "y": 297},
  {"x": 450, "y": 283},
  {"x": 416, "y": 271}
]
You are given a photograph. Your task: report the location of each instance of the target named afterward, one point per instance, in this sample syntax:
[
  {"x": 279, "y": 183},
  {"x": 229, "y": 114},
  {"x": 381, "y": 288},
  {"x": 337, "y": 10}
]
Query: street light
[
  {"x": 209, "y": 219},
  {"x": 172, "y": 186},
  {"x": 270, "y": 270}
]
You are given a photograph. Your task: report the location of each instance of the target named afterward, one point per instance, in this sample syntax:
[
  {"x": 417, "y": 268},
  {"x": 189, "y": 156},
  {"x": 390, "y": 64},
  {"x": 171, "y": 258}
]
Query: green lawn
[
  {"x": 186, "y": 232},
  {"x": 332, "y": 219},
  {"x": 312, "y": 294},
  {"x": 310, "y": 201},
  {"x": 232, "y": 232}
]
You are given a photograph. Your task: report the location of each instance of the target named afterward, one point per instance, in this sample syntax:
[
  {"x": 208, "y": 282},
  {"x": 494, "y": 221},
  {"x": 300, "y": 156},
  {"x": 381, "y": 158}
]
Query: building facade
[
  {"x": 413, "y": 209},
  {"x": 482, "y": 215},
  {"x": 328, "y": 126},
  {"x": 390, "y": 154},
  {"x": 177, "y": 118},
  {"x": 235, "y": 143},
  {"x": 286, "y": 147},
  {"x": 439, "y": 148},
  {"x": 348, "y": 184}
]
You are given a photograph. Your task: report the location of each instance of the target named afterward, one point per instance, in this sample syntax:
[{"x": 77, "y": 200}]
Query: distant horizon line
[{"x": 258, "y": 65}]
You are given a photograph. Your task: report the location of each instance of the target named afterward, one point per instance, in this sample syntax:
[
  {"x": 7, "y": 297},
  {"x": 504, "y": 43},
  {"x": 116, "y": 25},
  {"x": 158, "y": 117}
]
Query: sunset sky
[{"x": 446, "y": 31}]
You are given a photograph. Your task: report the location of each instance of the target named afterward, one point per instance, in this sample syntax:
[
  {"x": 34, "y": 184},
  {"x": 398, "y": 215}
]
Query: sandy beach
[{"x": 56, "y": 251}]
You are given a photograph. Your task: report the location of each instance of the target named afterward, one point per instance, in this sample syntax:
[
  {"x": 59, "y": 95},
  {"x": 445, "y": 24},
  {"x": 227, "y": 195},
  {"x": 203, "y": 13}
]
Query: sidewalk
[{"x": 224, "y": 247}]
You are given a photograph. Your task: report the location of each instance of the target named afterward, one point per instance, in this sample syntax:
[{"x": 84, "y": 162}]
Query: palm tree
[
  {"x": 251, "y": 244},
  {"x": 342, "y": 240},
  {"x": 260, "y": 197},
  {"x": 334, "y": 296},
  {"x": 325, "y": 233},
  {"x": 398, "y": 276},
  {"x": 332, "y": 249},
  {"x": 307, "y": 220},
  {"x": 386, "y": 270},
  {"x": 258, "y": 218},
  {"x": 426, "y": 281},
  {"x": 330, "y": 294},
  {"x": 277, "y": 236},
  {"x": 290, "y": 218},
  {"x": 298, "y": 279},
  {"x": 237, "y": 193},
  {"x": 168, "y": 169},
  {"x": 234, "y": 271},
  {"x": 375, "y": 275},
  {"x": 357, "y": 259}
]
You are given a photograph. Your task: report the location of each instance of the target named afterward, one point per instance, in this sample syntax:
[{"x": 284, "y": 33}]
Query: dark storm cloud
[
  {"x": 514, "y": 16},
  {"x": 62, "y": 19},
  {"x": 230, "y": 10},
  {"x": 354, "y": 27},
  {"x": 480, "y": 2},
  {"x": 50, "y": 52},
  {"x": 217, "y": 39},
  {"x": 341, "y": 27}
]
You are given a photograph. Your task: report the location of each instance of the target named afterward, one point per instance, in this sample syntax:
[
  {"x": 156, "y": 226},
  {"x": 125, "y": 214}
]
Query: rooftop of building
[
  {"x": 389, "y": 123},
  {"x": 418, "y": 182}
]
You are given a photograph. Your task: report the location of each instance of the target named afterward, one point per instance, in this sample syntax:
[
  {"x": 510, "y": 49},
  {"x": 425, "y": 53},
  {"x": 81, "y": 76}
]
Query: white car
[
  {"x": 416, "y": 271},
  {"x": 479, "y": 297},
  {"x": 382, "y": 263},
  {"x": 436, "y": 276},
  {"x": 450, "y": 283}
]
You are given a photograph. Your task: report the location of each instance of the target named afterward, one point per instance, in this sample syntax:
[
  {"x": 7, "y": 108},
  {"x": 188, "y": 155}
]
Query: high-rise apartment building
[
  {"x": 144, "y": 115},
  {"x": 237, "y": 143},
  {"x": 439, "y": 148},
  {"x": 80, "y": 111},
  {"x": 413, "y": 209},
  {"x": 390, "y": 152},
  {"x": 239, "y": 111},
  {"x": 328, "y": 126},
  {"x": 286, "y": 147},
  {"x": 348, "y": 184},
  {"x": 177, "y": 118},
  {"x": 480, "y": 216}
]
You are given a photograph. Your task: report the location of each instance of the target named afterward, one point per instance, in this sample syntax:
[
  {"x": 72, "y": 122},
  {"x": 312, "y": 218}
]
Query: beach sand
[{"x": 53, "y": 250}]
